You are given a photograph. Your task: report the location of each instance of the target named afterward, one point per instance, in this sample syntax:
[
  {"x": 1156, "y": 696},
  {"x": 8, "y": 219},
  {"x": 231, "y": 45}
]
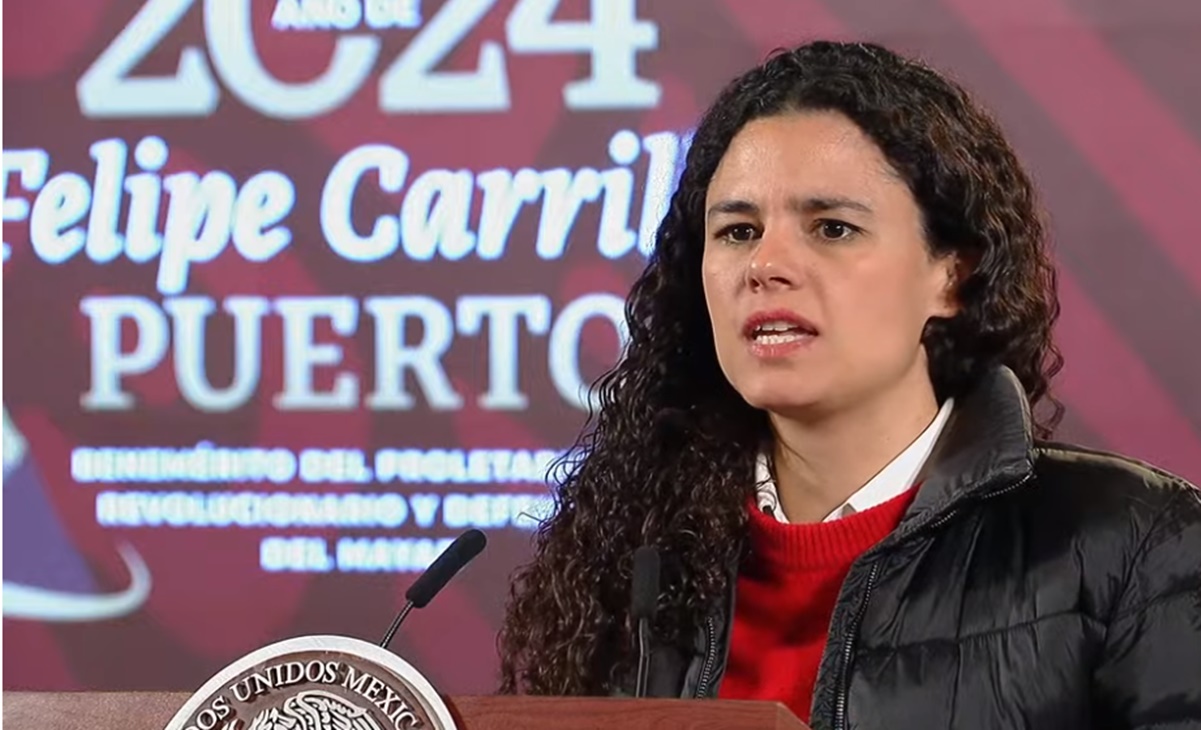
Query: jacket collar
[{"x": 987, "y": 445}]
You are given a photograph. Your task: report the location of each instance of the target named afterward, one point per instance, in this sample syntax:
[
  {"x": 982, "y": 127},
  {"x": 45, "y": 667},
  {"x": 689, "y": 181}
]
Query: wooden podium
[{"x": 152, "y": 711}]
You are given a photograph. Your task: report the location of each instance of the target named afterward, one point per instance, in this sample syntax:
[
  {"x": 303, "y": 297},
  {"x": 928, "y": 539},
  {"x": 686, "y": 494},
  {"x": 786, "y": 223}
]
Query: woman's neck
[{"x": 819, "y": 463}]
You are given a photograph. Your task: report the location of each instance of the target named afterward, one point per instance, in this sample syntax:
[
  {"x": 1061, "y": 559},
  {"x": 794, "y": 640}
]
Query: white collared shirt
[{"x": 889, "y": 482}]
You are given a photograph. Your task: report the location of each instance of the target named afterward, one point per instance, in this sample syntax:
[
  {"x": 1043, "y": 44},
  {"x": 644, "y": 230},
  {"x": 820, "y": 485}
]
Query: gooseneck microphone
[
  {"x": 644, "y": 603},
  {"x": 460, "y": 552}
]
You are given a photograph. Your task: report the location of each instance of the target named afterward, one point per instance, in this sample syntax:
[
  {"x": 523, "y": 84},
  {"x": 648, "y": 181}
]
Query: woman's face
[{"x": 816, "y": 271}]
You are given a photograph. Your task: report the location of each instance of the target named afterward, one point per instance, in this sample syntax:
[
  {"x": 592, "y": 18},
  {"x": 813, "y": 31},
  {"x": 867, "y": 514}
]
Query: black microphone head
[
  {"x": 644, "y": 593},
  {"x": 451, "y": 561}
]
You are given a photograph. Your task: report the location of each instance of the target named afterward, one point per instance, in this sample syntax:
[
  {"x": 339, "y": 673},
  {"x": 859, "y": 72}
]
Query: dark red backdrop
[{"x": 1102, "y": 98}]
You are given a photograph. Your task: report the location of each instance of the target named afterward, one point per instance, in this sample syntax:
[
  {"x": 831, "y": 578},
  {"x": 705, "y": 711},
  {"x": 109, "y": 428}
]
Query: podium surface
[{"x": 153, "y": 710}]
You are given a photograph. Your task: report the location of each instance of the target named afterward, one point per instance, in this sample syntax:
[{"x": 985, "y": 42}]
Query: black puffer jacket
[{"x": 1030, "y": 585}]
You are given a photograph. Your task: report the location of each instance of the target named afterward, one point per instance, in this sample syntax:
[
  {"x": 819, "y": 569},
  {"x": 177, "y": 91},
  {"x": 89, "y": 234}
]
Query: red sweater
[{"x": 785, "y": 599}]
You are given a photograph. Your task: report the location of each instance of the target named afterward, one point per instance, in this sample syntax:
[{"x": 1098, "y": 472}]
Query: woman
[{"x": 824, "y": 423}]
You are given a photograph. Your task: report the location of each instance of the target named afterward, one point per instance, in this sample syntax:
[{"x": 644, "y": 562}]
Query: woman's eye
[
  {"x": 740, "y": 233},
  {"x": 836, "y": 230}
]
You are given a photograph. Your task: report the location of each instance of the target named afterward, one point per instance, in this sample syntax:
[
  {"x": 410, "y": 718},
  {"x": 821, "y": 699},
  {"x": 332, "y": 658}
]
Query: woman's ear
[{"x": 951, "y": 270}]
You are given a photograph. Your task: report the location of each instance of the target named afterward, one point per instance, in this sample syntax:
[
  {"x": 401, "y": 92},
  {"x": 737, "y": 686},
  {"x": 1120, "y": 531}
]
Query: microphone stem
[
  {"x": 396, "y": 624},
  {"x": 644, "y": 658}
]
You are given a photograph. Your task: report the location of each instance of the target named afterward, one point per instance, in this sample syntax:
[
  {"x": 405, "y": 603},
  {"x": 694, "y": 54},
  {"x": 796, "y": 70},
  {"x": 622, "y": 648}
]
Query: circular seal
[{"x": 316, "y": 683}]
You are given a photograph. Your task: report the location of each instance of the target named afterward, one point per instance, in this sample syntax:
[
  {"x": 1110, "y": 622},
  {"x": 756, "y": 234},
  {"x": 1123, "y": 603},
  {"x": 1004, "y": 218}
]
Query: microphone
[
  {"x": 460, "y": 552},
  {"x": 644, "y": 603}
]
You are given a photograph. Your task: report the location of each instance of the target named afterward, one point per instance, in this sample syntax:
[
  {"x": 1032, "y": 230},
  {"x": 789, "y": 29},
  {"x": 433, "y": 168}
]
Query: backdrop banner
[{"x": 295, "y": 291}]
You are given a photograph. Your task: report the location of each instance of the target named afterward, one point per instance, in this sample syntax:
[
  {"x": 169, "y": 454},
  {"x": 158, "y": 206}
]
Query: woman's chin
[{"x": 783, "y": 401}]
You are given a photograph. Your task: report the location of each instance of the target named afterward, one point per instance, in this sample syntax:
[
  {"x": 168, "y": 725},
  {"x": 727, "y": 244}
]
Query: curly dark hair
[{"x": 669, "y": 458}]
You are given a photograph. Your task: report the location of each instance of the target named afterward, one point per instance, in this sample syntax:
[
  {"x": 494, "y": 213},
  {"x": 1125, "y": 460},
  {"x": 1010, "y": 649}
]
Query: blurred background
[{"x": 297, "y": 290}]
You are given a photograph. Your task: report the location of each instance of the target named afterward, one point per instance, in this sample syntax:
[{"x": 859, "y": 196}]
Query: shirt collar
[{"x": 891, "y": 481}]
